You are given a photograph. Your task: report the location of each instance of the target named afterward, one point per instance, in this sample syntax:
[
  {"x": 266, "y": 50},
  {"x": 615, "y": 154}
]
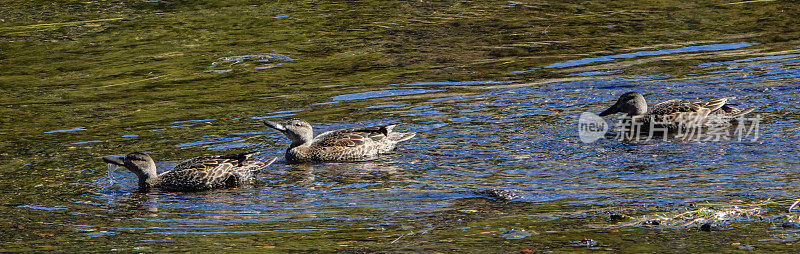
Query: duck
[
  {"x": 674, "y": 114},
  {"x": 196, "y": 174},
  {"x": 348, "y": 144}
]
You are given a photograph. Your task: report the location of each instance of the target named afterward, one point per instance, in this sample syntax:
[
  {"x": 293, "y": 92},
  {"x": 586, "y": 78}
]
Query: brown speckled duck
[
  {"x": 196, "y": 174},
  {"x": 349, "y": 144},
  {"x": 672, "y": 113}
]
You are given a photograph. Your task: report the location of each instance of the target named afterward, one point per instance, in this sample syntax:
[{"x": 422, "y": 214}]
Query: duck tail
[
  {"x": 714, "y": 104},
  {"x": 270, "y": 162},
  {"x": 388, "y": 129},
  {"x": 253, "y": 166},
  {"x": 399, "y": 137},
  {"x": 241, "y": 157},
  {"x": 734, "y": 112},
  {"x": 746, "y": 110}
]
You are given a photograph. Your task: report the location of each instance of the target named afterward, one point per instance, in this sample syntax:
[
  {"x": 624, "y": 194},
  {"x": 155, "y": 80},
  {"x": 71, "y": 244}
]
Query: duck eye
[{"x": 298, "y": 124}]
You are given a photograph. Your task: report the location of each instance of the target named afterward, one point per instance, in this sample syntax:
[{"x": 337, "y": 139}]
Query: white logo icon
[{"x": 591, "y": 127}]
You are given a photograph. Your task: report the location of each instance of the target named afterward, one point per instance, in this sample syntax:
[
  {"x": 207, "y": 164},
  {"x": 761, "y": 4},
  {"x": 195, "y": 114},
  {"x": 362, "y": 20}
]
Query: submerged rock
[
  {"x": 615, "y": 217},
  {"x": 584, "y": 243},
  {"x": 515, "y": 234},
  {"x": 499, "y": 195},
  {"x": 790, "y": 224},
  {"x": 652, "y": 222},
  {"x": 708, "y": 227}
]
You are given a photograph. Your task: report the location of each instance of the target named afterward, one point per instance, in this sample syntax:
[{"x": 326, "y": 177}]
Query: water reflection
[
  {"x": 66, "y": 130},
  {"x": 208, "y": 141},
  {"x": 512, "y": 136},
  {"x": 690, "y": 49},
  {"x": 140, "y": 204},
  {"x": 381, "y": 93},
  {"x": 246, "y": 62},
  {"x": 455, "y": 83}
]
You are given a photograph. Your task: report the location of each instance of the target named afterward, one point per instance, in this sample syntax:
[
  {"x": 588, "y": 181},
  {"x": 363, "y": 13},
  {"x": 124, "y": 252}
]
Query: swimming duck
[
  {"x": 348, "y": 144},
  {"x": 672, "y": 113},
  {"x": 196, "y": 174}
]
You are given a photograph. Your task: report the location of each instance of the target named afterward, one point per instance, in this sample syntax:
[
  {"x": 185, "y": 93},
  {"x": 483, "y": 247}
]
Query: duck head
[
  {"x": 139, "y": 163},
  {"x": 631, "y": 103},
  {"x": 297, "y": 130}
]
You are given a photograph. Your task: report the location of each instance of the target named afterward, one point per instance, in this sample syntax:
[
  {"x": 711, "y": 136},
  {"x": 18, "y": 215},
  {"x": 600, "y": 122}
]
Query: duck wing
[
  {"x": 731, "y": 111},
  {"x": 351, "y": 137},
  {"x": 199, "y": 174},
  {"x": 208, "y": 172},
  {"x": 204, "y": 162},
  {"x": 674, "y": 107}
]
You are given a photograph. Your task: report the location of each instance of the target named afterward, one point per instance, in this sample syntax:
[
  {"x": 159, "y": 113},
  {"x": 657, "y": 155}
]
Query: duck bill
[
  {"x": 115, "y": 159},
  {"x": 274, "y": 125},
  {"x": 612, "y": 110},
  {"x": 608, "y": 111}
]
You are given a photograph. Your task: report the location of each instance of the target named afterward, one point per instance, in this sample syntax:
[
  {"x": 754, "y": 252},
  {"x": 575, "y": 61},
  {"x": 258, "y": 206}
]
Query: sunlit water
[
  {"x": 515, "y": 132},
  {"x": 503, "y": 135}
]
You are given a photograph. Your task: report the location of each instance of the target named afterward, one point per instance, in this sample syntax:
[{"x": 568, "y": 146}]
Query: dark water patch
[
  {"x": 233, "y": 145},
  {"x": 206, "y": 142},
  {"x": 278, "y": 114}
]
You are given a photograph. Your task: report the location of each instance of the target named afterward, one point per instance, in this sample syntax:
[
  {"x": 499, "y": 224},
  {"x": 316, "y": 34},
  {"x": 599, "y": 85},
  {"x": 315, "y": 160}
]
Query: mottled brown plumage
[
  {"x": 196, "y": 174},
  {"x": 672, "y": 113},
  {"x": 349, "y": 144}
]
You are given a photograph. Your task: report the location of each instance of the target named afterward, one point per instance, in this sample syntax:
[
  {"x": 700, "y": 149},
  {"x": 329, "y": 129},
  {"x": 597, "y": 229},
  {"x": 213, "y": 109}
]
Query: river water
[{"x": 493, "y": 90}]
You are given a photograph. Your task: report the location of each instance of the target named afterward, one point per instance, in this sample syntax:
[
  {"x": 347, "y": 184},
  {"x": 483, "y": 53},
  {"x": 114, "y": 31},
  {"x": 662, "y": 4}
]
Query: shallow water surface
[{"x": 502, "y": 119}]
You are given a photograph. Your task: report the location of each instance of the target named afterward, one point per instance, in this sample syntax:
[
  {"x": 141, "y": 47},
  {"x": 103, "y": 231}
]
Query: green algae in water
[{"x": 130, "y": 68}]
